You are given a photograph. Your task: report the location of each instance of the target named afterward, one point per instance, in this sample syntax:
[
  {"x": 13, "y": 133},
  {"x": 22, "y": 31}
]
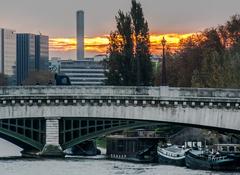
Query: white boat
[{"x": 172, "y": 155}]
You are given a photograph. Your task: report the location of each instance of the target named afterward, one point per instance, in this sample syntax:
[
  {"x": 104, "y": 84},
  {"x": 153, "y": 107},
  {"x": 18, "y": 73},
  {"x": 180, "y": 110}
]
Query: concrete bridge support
[{"x": 52, "y": 147}]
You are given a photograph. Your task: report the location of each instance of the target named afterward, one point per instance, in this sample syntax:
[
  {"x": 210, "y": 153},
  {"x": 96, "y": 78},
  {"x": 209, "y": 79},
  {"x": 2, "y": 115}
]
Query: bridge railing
[{"x": 165, "y": 91}]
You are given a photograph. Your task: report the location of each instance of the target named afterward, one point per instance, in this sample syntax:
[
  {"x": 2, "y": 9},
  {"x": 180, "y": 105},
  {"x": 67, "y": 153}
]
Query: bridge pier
[{"x": 52, "y": 147}]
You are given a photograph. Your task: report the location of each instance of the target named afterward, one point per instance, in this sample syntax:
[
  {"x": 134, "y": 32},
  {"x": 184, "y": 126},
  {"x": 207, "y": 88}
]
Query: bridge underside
[
  {"x": 28, "y": 134},
  {"x": 33, "y": 134},
  {"x": 76, "y": 130}
]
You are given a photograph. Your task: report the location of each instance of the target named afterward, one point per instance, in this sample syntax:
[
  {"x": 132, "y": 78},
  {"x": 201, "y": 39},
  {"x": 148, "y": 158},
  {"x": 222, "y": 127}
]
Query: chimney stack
[{"x": 80, "y": 35}]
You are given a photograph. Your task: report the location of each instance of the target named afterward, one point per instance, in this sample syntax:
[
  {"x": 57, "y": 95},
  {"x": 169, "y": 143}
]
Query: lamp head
[{"x": 163, "y": 42}]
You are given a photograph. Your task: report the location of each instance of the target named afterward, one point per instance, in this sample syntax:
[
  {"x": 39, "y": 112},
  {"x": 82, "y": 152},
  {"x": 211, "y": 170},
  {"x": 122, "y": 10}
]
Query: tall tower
[{"x": 80, "y": 35}]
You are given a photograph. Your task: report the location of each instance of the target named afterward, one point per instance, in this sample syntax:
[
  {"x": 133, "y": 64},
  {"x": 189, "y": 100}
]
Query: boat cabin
[
  {"x": 142, "y": 149},
  {"x": 227, "y": 148}
]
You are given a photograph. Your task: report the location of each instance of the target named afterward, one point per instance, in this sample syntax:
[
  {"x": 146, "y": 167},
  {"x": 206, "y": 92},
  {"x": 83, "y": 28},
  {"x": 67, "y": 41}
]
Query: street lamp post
[{"x": 164, "y": 69}]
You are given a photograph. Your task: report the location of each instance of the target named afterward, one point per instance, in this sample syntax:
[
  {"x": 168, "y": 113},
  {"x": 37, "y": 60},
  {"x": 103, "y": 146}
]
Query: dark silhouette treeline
[{"x": 210, "y": 58}]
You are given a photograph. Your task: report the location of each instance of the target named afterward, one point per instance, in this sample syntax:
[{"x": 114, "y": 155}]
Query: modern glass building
[
  {"x": 42, "y": 52},
  {"x": 8, "y": 55},
  {"x": 25, "y": 56},
  {"x": 83, "y": 72},
  {"x": 32, "y": 54}
]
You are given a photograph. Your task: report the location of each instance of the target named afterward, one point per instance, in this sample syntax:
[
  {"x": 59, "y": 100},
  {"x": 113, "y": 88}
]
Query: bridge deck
[
  {"x": 217, "y": 108},
  {"x": 169, "y": 92}
]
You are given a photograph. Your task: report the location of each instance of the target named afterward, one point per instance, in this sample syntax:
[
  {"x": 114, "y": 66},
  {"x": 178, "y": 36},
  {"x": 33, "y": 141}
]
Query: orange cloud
[{"x": 99, "y": 44}]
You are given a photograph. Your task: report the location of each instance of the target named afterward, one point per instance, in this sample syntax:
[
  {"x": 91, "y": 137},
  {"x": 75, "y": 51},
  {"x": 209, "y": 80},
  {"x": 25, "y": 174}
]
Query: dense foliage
[
  {"x": 129, "y": 56},
  {"x": 208, "y": 59}
]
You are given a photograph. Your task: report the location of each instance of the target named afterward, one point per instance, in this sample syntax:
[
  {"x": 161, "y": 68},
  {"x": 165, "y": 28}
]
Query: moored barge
[
  {"x": 208, "y": 161},
  {"x": 172, "y": 155},
  {"x": 137, "y": 149}
]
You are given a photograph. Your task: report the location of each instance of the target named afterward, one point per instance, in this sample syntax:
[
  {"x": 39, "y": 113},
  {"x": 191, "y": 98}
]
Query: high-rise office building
[
  {"x": 32, "y": 54},
  {"x": 42, "y": 52},
  {"x": 8, "y": 55},
  {"x": 25, "y": 56},
  {"x": 80, "y": 35}
]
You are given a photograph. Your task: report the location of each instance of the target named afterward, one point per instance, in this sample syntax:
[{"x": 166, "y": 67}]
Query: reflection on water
[{"x": 82, "y": 166}]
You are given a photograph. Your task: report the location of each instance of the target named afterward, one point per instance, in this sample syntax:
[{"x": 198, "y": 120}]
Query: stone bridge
[{"x": 50, "y": 119}]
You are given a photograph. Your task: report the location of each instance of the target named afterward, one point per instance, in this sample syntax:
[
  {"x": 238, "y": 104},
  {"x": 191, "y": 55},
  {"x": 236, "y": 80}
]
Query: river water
[
  {"x": 84, "y": 166},
  {"x": 76, "y": 166}
]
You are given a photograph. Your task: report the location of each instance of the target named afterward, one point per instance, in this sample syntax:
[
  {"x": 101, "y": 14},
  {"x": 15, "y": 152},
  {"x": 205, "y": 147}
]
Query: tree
[
  {"x": 220, "y": 65},
  {"x": 186, "y": 61},
  {"x": 232, "y": 28},
  {"x": 129, "y": 56},
  {"x": 209, "y": 58},
  {"x": 210, "y": 73},
  {"x": 143, "y": 65}
]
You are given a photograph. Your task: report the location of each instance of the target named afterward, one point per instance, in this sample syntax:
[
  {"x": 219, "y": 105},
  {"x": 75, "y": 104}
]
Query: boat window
[
  {"x": 224, "y": 148},
  {"x": 237, "y": 149},
  {"x": 231, "y": 149},
  {"x": 121, "y": 145}
]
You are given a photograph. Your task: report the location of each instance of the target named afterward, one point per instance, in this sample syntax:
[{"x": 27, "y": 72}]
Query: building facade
[
  {"x": 54, "y": 65},
  {"x": 84, "y": 72},
  {"x": 32, "y": 55},
  {"x": 8, "y": 55},
  {"x": 25, "y": 56},
  {"x": 42, "y": 52}
]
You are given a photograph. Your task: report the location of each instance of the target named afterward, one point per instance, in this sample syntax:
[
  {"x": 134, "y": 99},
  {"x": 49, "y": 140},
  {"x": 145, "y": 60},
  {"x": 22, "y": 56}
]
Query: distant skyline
[{"x": 57, "y": 18}]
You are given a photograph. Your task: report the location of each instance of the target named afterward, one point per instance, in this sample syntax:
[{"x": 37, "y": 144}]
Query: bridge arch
[
  {"x": 77, "y": 130},
  {"x": 28, "y": 134},
  {"x": 75, "y": 135}
]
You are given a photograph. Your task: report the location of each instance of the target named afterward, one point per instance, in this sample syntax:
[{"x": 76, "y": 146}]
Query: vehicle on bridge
[{"x": 62, "y": 80}]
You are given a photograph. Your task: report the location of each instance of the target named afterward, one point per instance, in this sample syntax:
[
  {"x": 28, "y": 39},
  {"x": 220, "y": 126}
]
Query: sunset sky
[
  {"x": 56, "y": 18},
  {"x": 98, "y": 45}
]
